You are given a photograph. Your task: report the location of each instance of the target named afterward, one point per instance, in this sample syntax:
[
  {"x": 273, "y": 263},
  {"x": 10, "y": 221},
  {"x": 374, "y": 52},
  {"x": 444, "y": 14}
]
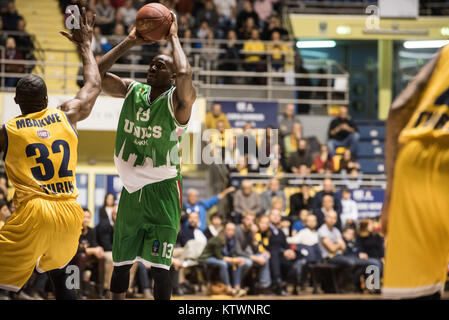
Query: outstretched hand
[
  {"x": 174, "y": 26},
  {"x": 82, "y": 35}
]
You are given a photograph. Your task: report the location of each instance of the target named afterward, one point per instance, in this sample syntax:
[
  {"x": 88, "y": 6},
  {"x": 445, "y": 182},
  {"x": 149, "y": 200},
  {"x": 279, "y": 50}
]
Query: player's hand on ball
[
  {"x": 83, "y": 35},
  {"x": 174, "y": 26},
  {"x": 136, "y": 38}
]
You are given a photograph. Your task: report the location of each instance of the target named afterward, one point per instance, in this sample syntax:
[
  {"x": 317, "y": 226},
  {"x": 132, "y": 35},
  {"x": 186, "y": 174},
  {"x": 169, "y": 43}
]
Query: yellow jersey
[
  {"x": 41, "y": 156},
  {"x": 431, "y": 116}
]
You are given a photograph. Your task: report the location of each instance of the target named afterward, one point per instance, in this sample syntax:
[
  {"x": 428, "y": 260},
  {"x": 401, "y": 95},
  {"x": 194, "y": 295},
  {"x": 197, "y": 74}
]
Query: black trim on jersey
[
  {"x": 6, "y": 148},
  {"x": 67, "y": 117}
]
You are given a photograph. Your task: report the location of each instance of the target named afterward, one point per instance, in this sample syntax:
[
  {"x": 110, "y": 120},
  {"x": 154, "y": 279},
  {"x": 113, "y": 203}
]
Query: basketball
[{"x": 153, "y": 21}]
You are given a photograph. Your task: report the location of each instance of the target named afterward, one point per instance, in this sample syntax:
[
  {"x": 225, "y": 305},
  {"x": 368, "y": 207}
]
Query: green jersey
[{"x": 148, "y": 138}]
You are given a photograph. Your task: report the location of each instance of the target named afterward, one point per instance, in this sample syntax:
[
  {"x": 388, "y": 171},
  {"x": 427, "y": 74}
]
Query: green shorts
[{"x": 147, "y": 224}]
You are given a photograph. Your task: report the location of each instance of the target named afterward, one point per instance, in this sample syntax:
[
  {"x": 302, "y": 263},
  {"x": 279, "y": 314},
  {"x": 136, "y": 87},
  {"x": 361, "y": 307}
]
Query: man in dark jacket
[{"x": 343, "y": 132}]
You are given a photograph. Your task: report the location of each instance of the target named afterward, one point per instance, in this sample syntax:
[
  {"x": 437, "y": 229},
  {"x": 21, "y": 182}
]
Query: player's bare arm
[
  {"x": 399, "y": 115},
  {"x": 80, "y": 107},
  {"x": 110, "y": 83},
  {"x": 185, "y": 94}
]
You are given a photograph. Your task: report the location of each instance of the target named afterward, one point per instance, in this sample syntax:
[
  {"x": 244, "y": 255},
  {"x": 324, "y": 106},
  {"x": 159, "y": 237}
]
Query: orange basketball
[{"x": 153, "y": 21}]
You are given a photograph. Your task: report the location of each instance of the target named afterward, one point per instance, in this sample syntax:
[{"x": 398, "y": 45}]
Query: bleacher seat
[
  {"x": 369, "y": 132},
  {"x": 372, "y": 166},
  {"x": 370, "y": 149}
]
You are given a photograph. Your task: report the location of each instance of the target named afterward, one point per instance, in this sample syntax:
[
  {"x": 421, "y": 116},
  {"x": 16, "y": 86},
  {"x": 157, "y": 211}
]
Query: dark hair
[
  {"x": 215, "y": 215},
  {"x": 86, "y": 209},
  {"x": 31, "y": 93},
  {"x": 106, "y": 197},
  {"x": 3, "y": 203}
]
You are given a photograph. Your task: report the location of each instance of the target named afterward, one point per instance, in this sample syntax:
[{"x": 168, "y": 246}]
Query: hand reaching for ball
[
  {"x": 137, "y": 39},
  {"x": 174, "y": 26},
  {"x": 82, "y": 35}
]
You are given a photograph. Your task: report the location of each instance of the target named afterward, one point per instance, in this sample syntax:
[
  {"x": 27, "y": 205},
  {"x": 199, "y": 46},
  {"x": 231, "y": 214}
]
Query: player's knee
[{"x": 120, "y": 279}]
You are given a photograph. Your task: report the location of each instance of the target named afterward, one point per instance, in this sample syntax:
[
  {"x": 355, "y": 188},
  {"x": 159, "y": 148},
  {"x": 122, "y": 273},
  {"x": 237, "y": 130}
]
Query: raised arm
[
  {"x": 110, "y": 83},
  {"x": 399, "y": 115},
  {"x": 79, "y": 108},
  {"x": 185, "y": 93}
]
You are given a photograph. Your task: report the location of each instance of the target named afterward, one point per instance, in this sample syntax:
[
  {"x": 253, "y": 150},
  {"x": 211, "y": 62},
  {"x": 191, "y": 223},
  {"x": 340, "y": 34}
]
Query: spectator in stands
[
  {"x": 215, "y": 226},
  {"x": 347, "y": 162},
  {"x": 282, "y": 256},
  {"x": 203, "y": 30},
  {"x": 90, "y": 257},
  {"x": 246, "y": 29},
  {"x": 300, "y": 157},
  {"x": 11, "y": 17},
  {"x": 220, "y": 252},
  {"x": 244, "y": 248},
  {"x": 307, "y": 235},
  {"x": 343, "y": 132},
  {"x": 264, "y": 9},
  {"x": 23, "y": 40},
  {"x": 128, "y": 12},
  {"x": 215, "y": 115},
  {"x": 370, "y": 241},
  {"x": 246, "y": 199},
  {"x": 187, "y": 44},
  {"x": 105, "y": 16},
  {"x": 353, "y": 180},
  {"x": 349, "y": 211},
  {"x": 227, "y": 10},
  {"x": 13, "y": 54},
  {"x": 229, "y": 59},
  {"x": 191, "y": 230},
  {"x": 274, "y": 25},
  {"x": 209, "y": 14},
  {"x": 287, "y": 119},
  {"x": 328, "y": 188},
  {"x": 194, "y": 205},
  {"x": 107, "y": 210},
  {"x": 262, "y": 244},
  {"x": 5, "y": 213},
  {"x": 209, "y": 53},
  {"x": 300, "y": 201},
  {"x": 297, "y": 224},
  {"x": 254, "y": 49},
  {"x": 247, "y": 146},
  {"x": 327, "y": 205},
  {"x": 278, "y": 50},
  {"x": 291, "y": 140},
  {"x": 245, "y": 13},
  {"x": 274, "y": 190},
  {"x": 323, "y": 161}
]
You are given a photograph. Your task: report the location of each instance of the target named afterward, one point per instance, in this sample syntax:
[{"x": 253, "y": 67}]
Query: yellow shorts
[
  {"x": 41, "y": 233},
  {"x": 417, "y": 242}
]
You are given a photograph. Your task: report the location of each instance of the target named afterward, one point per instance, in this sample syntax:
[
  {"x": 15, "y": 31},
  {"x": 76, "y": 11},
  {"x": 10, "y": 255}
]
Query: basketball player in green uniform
[{"x": 153, "y": 119}]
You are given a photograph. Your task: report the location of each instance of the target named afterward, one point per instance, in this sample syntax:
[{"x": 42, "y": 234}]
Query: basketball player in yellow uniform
[
  {"x": 40, "y": 157},
  {"x": 416, "y": 209}
]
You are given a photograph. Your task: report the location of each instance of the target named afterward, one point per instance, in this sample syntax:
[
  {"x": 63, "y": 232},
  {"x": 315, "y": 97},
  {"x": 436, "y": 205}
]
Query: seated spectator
[
  {"x": 254, "y": 50},
  {"x": 282, "y": 257},
  {"x": 226, "y": 10},
  {"x": 264, "y": 9},
  {"x": 328, "y": 188},
  {"x": 287, "y": 119},
  {"x": 261, "y": 243},
  {"x": 349, "y": 212},
  {"x": 307, "y": 236},
  {"x": 370, "y": 241},
  {"x": 209, "y": 14},
  {"x": 193, "y": 204},
  {"x": 105, "y": 18},
  {"x": 90, "y": 257},
  {"x": 327, "y": 205},
  {"x": 343, "y": 132},
  {"x": 265, "y": 152},
  {"x": 23, "y": 41},
  {"x": 191, "y": 230},
  {"x": 209, "y": 53},
  {"x": 299, "y": 224},
  {"x": 244, "y": 33},
  {"x": 360, "y": 260},
  {"x": 274, "y": 191},
  {"x": 300, "y": 157},
  {"x": 276, "y": 163},
  {"x": 274, "y": 25},
  {"x": 246, "y": 199},
  {"x": 245, "y": 249},
  {"x": 215, "y": 226},
  {"x": 300, "y": 201},
  {"x": 245, "y": 13},
  {"x": 323, "y": 161},
  {"x": 353, "y": 180},
  {"x": 128, "y": 13},
  {"x": 13, "y": 54},
  {"x": 5, "y": 213},
  {"x": 11, "y": 17},
  {"x": 278, "y": 49},
  {"x": 215, "y": 115},
  {"x": 291, "y": 140},
  {"x": 246, "y": 144},
  {"x": 347, "y": 162},
  {"x": 203, "y": 30},
  {"x": 220, "y": 252},
  {"x": 229, "y": 60},
  {"x": 105, "y": 235}
]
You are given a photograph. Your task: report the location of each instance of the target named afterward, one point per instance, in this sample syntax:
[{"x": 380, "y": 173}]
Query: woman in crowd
[{"x": 323, "y": 161}]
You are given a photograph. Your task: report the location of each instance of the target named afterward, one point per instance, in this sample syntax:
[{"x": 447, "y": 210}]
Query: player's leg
[
  {"x": 61, "y": 284},
  {"x": 416, "y": 244},
  {"x": 162, "y": 284},
  {"x": 120, "y": 281}
]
